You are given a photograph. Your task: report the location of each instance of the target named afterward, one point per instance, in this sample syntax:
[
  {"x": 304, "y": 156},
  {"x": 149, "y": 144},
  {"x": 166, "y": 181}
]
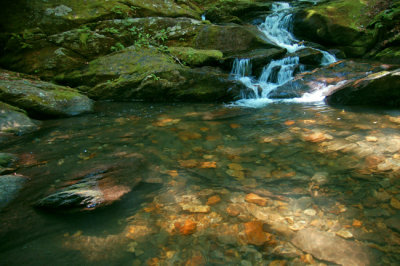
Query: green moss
[
  {"x": 347, "y": 13},
  {"x": 389, "y": 52},
  {"x": 195, "y": 57}
]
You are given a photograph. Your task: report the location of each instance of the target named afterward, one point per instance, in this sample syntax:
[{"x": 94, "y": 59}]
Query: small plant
[
  {"x": 117, "y": 10},
  {"x": 154, "y": 77},
  {"x": 21, "y": 39},
  {"x": 117, "y": 47}
]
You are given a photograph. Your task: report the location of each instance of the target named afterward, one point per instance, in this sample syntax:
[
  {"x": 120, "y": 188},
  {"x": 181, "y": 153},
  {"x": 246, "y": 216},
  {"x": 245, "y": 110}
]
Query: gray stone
[{"x": 328, "y": 247}]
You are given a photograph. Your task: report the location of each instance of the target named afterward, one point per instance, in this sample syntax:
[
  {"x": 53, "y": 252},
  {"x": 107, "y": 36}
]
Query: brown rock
[
  {"x": 233, "y": 210},
  {"x": 317, "y": 137},
  {"x": 255, "y": 234},
  {"x": 196, "y": 208},
  {"x": 213, "y": 200},
  {"x": 254, "y": 198},
  {"x": 188, "y": 228}
]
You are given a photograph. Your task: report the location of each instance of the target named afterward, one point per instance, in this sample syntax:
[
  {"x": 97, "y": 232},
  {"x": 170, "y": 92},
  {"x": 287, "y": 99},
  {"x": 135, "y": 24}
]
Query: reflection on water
[{"x": 219, "y": 185}]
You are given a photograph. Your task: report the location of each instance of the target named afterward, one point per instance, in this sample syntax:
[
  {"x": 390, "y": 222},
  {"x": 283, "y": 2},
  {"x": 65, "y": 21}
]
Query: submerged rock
[
  {"x": 9, "y": 187},
  {"x": 328, "y": 247},
  {"x": 41, "y": 98},
  {"x": 95, "y": 188},
  {"x": 381, "y": 88},
  {"x": 14, "y": 121}
]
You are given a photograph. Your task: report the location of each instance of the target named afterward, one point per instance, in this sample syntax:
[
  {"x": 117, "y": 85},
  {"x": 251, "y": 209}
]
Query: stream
[
  {"x": 316, "y": 166},
  {"x": 215, "y": 184}
]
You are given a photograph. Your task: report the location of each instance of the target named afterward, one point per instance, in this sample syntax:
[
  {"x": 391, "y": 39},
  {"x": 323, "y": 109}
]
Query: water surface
[{"x": 317, "y": 167}]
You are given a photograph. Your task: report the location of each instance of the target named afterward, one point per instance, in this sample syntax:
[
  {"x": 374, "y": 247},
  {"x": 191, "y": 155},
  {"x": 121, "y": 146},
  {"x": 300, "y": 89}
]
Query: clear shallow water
[{"x": 314, "y": 166}]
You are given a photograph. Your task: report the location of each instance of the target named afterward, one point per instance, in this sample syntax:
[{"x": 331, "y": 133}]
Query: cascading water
[{"x": 277, "y": 28}]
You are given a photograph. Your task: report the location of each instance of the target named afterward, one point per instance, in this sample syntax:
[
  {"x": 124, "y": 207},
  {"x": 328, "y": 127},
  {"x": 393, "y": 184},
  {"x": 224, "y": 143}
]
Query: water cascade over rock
[{"x": 277, "y": 28}]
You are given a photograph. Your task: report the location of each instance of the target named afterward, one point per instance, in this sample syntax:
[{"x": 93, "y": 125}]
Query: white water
[{"x": 277, "y": 28}]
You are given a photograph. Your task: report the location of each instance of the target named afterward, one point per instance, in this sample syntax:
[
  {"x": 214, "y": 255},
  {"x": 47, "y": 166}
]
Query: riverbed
[{"x": 220, "y": 184}]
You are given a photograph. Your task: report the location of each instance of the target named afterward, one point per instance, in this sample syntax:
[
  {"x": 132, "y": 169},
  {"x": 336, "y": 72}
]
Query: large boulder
[
  {"x": 147, "y": 74},
  {"x": 14, "y": 121},
  {"x": 335, "y": 74},
  {"x": 239, "y": 11},
  {"x": 45, "y": 62},
  {"x": 381, "y": 89},
  {"x": 41, "y": 98},
  {"x": 231, "y": 39},
  {"x": 386, "y": 25},
  {"x": 340, "y": 24}
]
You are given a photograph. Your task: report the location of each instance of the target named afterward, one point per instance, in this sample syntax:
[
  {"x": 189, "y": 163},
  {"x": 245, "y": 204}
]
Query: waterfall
[{"x": 277, "y": 28}]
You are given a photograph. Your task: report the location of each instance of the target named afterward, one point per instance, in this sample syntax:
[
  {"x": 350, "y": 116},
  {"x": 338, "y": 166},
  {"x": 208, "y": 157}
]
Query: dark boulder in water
[
  {"x": 380, "y": 89},
  {"x": 335, "y": 75},
  {"x": 96, "y": 187}
]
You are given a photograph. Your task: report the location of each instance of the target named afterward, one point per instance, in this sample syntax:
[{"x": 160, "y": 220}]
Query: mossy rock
[
  {"x": 196, "y": 57},
  {"x": 83, "y": 41},
  {"x": 230, "y": 39},
  {"x": 41, "y": 99},
  {"x": 146, "y": 74},
  {"x": 389, "y": 55},
  {"x": 45, "y": 62},
  {"x": 130, "y": 61},
  {"x": 339, "y": 23},
  {"x": 236, "y": 11},
  {"x": 57, "y": 16}
]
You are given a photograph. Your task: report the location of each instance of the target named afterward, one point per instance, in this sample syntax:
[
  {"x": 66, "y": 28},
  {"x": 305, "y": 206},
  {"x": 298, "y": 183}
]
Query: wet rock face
[
  {"x": 381, "y": 89},
  {"x": 325, "y": 246},
  {"x": 334, "y": 75},
  {"x": 42, "y": 98}
]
